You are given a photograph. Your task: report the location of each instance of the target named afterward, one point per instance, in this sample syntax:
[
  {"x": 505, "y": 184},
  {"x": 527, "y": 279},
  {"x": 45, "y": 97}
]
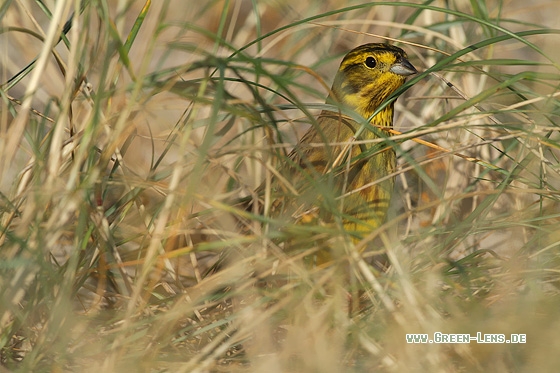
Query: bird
[
  {"x": 334, "y": 170},
  {"x": 327, "y": 175}
]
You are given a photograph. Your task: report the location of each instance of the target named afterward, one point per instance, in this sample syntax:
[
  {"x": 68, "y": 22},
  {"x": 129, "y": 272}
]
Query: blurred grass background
[{"x": 127, "y": 128}]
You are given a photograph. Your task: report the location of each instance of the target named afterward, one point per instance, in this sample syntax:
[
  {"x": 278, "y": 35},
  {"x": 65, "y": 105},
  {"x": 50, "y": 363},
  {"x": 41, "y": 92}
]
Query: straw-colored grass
[{"x": 128, "y": 131}]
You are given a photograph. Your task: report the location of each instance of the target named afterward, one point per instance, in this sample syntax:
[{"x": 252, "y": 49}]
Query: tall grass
[{"x": 130, "y": 131}]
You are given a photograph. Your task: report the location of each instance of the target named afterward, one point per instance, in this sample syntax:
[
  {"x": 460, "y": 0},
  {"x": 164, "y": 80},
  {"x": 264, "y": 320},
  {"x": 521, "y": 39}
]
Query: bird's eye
[{"x": 371, "y": 62}]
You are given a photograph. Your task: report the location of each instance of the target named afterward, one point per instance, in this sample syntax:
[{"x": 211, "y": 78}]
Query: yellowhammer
[{"x": 332, "y": 171}]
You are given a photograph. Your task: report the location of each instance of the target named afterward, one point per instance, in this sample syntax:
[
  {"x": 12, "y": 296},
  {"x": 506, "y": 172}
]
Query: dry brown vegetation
[{"x": 125, "y": 145}]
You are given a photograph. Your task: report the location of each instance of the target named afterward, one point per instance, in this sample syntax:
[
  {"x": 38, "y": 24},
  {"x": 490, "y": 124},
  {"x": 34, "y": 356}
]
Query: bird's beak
[{"x": 403, "y": 67}]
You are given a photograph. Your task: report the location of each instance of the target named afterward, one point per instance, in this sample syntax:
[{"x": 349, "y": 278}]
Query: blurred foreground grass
[{"x": 123, "y": 145}]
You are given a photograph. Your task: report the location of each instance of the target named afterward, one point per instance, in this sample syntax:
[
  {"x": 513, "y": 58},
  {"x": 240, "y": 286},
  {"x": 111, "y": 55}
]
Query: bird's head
[{"x": 369, "y": 74}]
